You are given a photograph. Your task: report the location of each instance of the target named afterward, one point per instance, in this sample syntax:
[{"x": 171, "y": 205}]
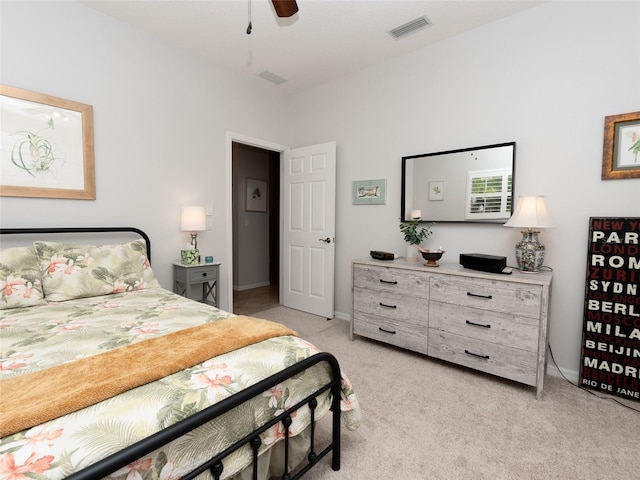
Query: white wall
[
  {"x": 161, "y": 118},
  {"x": 545, "y": 78}
]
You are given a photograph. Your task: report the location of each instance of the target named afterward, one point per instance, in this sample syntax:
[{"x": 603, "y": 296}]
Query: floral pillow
[
  {"x": 20, "y": 284},
  {"x": 77, "y": 271}
]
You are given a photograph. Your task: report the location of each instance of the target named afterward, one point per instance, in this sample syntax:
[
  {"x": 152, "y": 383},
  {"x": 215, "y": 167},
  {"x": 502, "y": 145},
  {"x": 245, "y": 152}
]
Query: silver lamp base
[{"x": 529, "y": 252}]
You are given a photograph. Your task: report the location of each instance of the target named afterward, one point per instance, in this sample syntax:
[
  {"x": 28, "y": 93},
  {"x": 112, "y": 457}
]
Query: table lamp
[
  {"x": 530, "y": 213},
  {"x": 194, "y": 220}
]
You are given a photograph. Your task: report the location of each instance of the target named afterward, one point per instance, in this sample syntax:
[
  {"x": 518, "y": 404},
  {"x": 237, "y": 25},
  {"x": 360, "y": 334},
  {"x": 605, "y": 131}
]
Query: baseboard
[
  {"x": 570, "y": 375},
  {"x": 238, "y": 288},
  {"x": 342, "y": 316}
]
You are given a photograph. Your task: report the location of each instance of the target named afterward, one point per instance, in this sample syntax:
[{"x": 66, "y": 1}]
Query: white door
[{"x": 308, "y": 214}]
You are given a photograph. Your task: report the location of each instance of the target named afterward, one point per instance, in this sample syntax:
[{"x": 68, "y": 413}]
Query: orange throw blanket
[{"x": 34, "y": 398}]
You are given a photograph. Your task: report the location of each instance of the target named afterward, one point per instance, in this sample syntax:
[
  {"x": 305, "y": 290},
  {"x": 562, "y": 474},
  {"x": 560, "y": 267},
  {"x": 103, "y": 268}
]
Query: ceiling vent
[
  {"x": 272, "y": 77},
  {"x": 410, "y": 27}
]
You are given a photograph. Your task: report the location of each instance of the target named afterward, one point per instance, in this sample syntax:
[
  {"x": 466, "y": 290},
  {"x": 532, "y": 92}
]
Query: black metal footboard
[{"x": 215, "y": 465}]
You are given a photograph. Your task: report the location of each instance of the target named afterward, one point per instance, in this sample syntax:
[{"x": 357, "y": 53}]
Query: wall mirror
[{"x": 471, "y": 185}]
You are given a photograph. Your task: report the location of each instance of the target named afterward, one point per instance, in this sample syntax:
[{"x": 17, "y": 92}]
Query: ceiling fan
[{"x": 285, "y": 8}]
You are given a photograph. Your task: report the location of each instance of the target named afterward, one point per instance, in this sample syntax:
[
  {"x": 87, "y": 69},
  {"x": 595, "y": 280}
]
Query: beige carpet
[{"x": 426, "y": 419}]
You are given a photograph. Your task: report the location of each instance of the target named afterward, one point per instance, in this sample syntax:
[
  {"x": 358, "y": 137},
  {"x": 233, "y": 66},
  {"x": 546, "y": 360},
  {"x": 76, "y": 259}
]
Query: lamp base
[{"x": 529, "y": 252}]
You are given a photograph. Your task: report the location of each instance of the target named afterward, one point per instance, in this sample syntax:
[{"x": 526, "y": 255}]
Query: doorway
[{"x": 256, "y": 228}]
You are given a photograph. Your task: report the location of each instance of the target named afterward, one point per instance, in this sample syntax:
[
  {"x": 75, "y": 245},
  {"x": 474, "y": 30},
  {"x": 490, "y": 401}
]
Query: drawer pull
[
  {"x": 469, "y": 322},
  {"x": 390, "y": 282},
  {"x": 486, "y": 357},
  {"x": 204, "y": 274},
  {"x": 392, "y": 332},
  {"x": 488, "y": 297},
  {"x": 388, "y": 306}
]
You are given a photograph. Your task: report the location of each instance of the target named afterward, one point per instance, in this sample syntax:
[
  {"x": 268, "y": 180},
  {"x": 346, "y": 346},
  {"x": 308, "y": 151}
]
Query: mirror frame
[{"x": 461, "y": 150}]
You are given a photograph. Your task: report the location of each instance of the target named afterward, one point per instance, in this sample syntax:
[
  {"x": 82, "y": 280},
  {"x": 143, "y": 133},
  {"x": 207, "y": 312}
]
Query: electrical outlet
[
  {"x": 209, "y": 208},
  {"x": 209, "y": 223}
]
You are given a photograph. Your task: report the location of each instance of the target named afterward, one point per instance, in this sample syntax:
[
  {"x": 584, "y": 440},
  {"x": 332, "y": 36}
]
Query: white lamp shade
[
  {"x": 530, "y": 212},
  {"x": 193, "y": 219}
]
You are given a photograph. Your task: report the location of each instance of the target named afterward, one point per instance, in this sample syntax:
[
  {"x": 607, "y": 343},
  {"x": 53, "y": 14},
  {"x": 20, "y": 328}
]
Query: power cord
[{"x": 601, "y": 397}]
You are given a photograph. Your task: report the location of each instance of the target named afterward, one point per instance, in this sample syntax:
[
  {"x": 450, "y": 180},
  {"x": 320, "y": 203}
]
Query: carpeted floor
[{"x": 426, "y": 419}]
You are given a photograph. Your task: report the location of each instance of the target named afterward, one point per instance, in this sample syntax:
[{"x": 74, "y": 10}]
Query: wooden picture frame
[
  {"x": 621, "y": 152},
  {"x": 46, "y": 146},
  {"x": 255, "y": 195}
]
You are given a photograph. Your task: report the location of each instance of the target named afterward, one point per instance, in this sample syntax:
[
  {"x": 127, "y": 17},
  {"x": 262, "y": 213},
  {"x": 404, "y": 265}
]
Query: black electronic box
[
  {"x": 380, "y": 255},
  {"x": 482, "y": 262}
]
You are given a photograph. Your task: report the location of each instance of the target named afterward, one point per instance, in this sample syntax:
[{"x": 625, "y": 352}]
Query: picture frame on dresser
[{"x": 46, "y": 146}]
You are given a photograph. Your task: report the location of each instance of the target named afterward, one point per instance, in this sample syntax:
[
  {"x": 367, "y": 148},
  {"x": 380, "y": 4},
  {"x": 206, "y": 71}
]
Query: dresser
[{"x": 494, "y": 323}]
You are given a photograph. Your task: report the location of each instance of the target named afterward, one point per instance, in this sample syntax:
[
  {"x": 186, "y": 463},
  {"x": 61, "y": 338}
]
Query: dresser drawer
[
  {"x": 501, "y": 328},
  {"x": 495, "y": 295},
  {"x": 393, "y": 280},
  {"x": 507, "y": 362},
  {"x": 392, "y": 305},
  {"x": 203, "y": 274},
  {"x": 388, "y": 330}
]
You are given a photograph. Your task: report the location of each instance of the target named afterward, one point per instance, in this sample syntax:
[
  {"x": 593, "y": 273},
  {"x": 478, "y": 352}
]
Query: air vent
[
  {"x": 410, "y": 27},
  {"x": 272, "y": 77}
]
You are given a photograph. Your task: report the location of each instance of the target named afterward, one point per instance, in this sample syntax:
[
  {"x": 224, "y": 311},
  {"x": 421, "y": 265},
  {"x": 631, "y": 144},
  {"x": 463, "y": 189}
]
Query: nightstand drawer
[
  {"x": 499, "y": 296},
  {"x": 512, "y": 363},
  {"x": 202, "y": 274}
]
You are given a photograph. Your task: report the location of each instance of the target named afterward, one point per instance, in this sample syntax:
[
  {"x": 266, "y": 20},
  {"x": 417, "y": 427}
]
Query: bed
[{"x": 105, "y": 374}]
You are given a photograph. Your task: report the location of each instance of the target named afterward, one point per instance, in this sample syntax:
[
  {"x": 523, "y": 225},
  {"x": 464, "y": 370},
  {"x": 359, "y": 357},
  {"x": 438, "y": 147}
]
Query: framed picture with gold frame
[
  {"x": 621, "y": 153},
  {"x": 46, "y": 146}
]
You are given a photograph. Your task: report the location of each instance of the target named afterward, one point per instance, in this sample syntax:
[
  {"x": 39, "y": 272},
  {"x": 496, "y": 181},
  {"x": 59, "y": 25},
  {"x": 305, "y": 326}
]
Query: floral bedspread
[{"x": 36, "y": 338}]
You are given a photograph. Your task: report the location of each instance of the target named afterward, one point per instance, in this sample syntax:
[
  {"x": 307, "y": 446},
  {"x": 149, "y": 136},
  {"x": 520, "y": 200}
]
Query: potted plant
[{"x": 414, "y": 235}]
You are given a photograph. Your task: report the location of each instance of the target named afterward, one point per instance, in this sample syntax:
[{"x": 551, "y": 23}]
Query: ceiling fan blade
[{"x": 285, "y": 8}]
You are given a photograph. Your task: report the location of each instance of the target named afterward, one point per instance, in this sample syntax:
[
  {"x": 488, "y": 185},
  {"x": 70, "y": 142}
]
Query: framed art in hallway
[
  {"x": 621, "y": 154},
  {"x": 46, "y": 146},
  {"x": 370, "y": 192},
  {"x": 255, "y": 195}
]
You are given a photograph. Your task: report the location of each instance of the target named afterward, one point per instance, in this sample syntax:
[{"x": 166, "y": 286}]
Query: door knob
[{"x": 325, "y": 240}]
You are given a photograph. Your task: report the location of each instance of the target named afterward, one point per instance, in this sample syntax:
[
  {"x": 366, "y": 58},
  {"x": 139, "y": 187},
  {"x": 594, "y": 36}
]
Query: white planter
[{"x": 413, "y": 255}]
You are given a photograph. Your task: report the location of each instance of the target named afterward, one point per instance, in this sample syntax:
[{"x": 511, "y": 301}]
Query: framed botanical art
[
  {"x": 255, "y": 195},
  {"x": 621, "y": 155},
  {"x": 436, "y": 191},
  {"x": 46, "y": 146}
]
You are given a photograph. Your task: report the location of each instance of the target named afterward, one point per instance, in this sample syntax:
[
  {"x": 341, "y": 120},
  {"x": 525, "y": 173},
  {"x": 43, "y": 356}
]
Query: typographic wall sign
[{"x": 610, "y": 360}]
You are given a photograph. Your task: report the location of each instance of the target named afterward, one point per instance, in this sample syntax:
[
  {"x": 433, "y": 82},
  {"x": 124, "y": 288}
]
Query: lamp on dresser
[{"x": 530, "y": 213}]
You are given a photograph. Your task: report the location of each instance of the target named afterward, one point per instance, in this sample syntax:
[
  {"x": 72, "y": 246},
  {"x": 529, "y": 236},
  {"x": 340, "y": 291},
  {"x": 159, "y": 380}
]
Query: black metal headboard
[{"x": 45, "y": 230}]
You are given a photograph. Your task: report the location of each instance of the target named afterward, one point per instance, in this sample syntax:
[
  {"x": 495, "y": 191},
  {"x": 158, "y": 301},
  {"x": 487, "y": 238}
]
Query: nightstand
[{"x": 206, "y": 275}]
